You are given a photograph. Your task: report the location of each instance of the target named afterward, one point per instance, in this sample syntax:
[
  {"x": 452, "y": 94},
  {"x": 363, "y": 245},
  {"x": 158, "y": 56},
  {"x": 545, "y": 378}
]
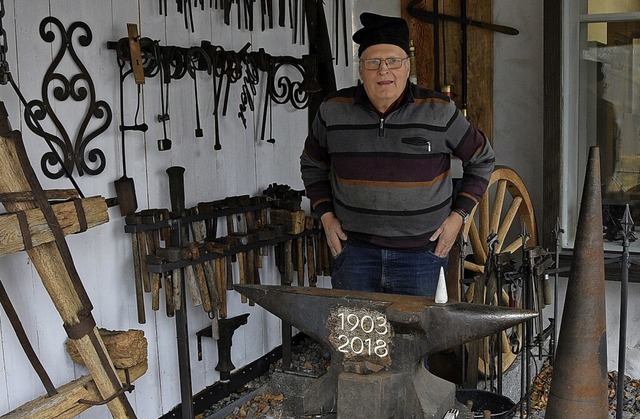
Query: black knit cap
[{"x": 377, "y": 29}]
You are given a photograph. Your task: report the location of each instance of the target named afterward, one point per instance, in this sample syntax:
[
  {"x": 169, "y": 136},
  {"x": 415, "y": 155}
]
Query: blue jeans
[{"x": 360, "y": 268}]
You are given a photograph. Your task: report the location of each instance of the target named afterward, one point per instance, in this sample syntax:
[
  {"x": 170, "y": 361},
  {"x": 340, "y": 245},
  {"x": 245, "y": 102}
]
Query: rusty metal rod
[
  {"x": 627, "y": 226},
  {"x": 24, "y": 341}
]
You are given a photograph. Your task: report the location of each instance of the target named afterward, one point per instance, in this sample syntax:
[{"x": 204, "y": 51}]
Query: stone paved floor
[{"x": 264, "y": 400}]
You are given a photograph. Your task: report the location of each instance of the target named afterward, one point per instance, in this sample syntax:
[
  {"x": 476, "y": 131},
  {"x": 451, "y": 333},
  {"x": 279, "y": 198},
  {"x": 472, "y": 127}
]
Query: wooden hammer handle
[
  {"x": 168, "y": 295},
  {"x": 242, "y": 273},
  {"x": 138, "y": 278},
  {"x": 311, "y": 268},
  {"x": 221, "y": 278},
  {"x": 300, "y": 260}
]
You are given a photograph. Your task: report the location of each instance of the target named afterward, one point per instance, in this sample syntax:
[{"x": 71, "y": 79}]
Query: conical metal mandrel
[{"x": 579, "y": 385}]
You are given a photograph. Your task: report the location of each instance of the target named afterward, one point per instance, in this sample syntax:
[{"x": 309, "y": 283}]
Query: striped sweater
[{"x": 388, "y": 179}]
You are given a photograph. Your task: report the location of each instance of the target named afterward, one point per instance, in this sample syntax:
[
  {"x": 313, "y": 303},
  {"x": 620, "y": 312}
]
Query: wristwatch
[{"x": 462, "y": 213}]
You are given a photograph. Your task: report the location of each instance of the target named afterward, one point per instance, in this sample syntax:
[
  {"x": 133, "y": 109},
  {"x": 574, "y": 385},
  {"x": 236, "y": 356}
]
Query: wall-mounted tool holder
[
  {"x": 225, "y": 68},
  {"x": 202, "y": 263},
  {"x": 163, "y": 253},
  {"x": 243, "y": 12}
]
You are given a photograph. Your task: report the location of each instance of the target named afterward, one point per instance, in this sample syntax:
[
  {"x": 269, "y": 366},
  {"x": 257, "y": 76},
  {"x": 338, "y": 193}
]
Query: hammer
[
  {"x": 175, "y": 254},
  {"x": 220, "y": 275},
  {"x": 201, "y": 280}
]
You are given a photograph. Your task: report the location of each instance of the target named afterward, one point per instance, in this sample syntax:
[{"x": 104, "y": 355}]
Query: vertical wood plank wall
[
  {"x": 479, "y": 50},
  {"x": 102, "y": 255}
]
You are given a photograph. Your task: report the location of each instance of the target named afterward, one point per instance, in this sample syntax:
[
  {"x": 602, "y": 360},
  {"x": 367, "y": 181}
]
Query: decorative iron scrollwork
[{"x": 79, "y": 87}]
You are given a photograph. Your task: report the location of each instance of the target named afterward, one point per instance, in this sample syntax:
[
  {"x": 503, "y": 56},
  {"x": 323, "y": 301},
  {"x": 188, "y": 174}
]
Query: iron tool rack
[{"x": 284, "y": 217}]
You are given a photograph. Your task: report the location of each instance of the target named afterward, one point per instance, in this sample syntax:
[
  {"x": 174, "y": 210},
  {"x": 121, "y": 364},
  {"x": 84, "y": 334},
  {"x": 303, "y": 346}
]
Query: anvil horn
[
  {"x": 579, "y": 386},
  {"x": 445, "y": 325},
  {"x": 459, "y": 323}
]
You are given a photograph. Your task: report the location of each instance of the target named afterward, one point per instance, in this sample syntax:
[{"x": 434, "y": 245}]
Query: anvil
[{"x": 377, "y": 343}]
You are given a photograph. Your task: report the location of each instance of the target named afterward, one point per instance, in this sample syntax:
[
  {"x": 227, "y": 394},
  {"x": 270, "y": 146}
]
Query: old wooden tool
[
  {"x": 310, "y": 251},
  {"x": 55, "y": 266},
  {"x": 125, "y": 186},
  {"x": 377, "y": 343},
  {"x": 138, "y": 266}
]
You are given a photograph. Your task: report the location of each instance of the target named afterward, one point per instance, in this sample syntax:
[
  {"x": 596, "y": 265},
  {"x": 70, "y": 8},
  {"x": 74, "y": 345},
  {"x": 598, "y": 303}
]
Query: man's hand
[
  {"x": 447, "y": 234},
  {"x": 333, "y": 230}
]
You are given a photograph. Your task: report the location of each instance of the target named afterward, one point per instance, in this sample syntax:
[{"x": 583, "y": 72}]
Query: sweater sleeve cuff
[
  {"x": 323, "y": 207},
  {"x": 464, "y": 203}
]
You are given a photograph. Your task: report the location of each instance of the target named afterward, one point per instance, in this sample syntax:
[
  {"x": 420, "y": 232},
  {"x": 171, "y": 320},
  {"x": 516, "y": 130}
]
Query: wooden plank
[
  {"x": 66, "y": 403},
  {"x": 11, "y": 239},
  {"x": 479, "y": 52}
]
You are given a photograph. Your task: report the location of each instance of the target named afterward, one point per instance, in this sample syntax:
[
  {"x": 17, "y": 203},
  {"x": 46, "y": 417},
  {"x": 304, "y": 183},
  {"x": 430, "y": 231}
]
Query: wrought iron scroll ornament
[{"x": 80, "y": 88}]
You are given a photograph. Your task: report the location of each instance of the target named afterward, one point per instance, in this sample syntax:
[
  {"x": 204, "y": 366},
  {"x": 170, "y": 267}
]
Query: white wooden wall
[
  {"x": 245, "y": 165},
  {"x": 102, "y": 255}
]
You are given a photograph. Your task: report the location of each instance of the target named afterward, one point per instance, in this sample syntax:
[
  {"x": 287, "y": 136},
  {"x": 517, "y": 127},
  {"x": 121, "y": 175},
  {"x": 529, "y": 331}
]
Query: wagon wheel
[{"x": 504, "y": 208}]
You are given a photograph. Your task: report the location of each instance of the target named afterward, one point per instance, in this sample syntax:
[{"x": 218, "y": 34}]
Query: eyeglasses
[{"x": 392, "y": 63}]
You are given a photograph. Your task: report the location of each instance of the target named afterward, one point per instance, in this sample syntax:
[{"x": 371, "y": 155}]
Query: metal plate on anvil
[{"x": 361, "y": 335}]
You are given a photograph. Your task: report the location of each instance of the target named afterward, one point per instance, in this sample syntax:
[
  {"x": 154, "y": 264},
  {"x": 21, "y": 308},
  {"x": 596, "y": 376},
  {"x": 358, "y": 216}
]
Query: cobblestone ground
[
  {"x": 311, "y": 358},
  {"x": 631, "y": 406}
]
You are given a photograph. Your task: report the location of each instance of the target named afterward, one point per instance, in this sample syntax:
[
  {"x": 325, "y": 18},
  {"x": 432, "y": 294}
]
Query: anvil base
[
  {"x": 387, "y": 395},
  {"x": 381, "y": 395}
]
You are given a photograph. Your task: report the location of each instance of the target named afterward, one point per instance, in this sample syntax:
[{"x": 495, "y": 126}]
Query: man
[
  {"x": 607, "y": 135},
  {"x": 376, "y": 168}
]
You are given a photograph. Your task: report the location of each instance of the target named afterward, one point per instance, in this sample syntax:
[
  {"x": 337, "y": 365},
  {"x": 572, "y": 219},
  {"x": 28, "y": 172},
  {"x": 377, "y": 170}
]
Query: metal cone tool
[
  {"x": 579, "y": 386},
  {"x": 441, "y": 291}
]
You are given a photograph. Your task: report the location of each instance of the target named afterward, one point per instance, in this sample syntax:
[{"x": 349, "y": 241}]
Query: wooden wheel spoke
[
  {"x": 483, "y": 220},
  {"x": 473, "y": 267},
  {"x": 477, "y": 245},
  {"x": 513, "y": 246},
  {"x": 498, "y": 203},
  {"x": 508, "y": 221}
]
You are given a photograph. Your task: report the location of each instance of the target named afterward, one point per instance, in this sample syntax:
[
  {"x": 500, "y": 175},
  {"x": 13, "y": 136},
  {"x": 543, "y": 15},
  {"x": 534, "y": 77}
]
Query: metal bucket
[{"x": 499, "y": 405}]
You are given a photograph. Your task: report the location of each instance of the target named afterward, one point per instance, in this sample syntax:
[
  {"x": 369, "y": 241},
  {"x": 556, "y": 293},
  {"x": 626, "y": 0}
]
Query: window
[{"x": 601, "y": 56}]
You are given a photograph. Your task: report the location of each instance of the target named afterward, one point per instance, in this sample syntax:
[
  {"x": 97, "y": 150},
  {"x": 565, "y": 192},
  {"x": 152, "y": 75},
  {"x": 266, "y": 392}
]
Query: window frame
[{"x": 563, "y": 23}]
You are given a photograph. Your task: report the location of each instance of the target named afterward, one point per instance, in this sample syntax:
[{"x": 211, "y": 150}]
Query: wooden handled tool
[
  {"x": 168, "y": 295},
  {"x": 288, "y": 264},
  {"x": 220, "y": 267},
  {"x": 241, "y": 273},
  {"x": 175, "y": 254},
  {"x": 311, "y": 269},
  {"x": 200, "y": 277},
  {"x": 137, "y": 269},
  {"x": 300, "y": 260},
  {"x": 176, "y": 281},
  {"x": 156, "y": 283},
  {"x": 135, "y": 53}
]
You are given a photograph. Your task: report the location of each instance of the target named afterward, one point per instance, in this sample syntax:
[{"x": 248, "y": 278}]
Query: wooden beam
[
  {"x": 11, "y": 240},
  {"x": 66, "y": 403}
]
